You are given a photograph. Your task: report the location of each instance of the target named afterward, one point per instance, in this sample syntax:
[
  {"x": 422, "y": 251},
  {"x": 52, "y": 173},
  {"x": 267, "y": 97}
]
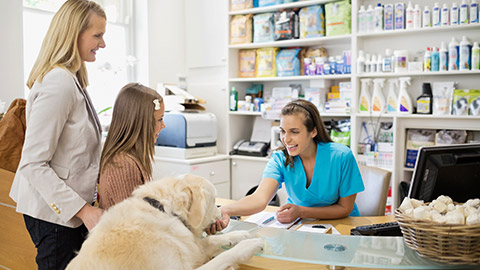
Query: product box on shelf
[{"x": 339, "y": 18}]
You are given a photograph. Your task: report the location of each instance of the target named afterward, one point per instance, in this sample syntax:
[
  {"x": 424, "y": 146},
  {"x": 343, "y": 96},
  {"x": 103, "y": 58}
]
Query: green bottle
[{"x": 233, "y": 99}]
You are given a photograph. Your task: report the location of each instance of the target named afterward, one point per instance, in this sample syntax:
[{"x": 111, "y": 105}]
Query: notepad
[
  {"x": 268, "y": 219},
  {"x": 318, "y": 228}
]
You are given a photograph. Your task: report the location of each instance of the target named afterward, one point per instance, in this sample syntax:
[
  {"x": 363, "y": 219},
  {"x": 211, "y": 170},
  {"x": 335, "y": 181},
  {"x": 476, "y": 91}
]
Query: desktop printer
[{"x": 187, "y": 135}]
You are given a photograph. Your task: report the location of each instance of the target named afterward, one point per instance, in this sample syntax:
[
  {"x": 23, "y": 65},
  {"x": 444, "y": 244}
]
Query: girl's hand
[
  {"x": 90, "y": 215},
  {"x": 219, "y": 224},
  {"x": 288, "y": 213}
]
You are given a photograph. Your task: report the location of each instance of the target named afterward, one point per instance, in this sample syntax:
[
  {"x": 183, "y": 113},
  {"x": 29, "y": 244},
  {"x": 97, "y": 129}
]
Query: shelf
[
  {"x": 408, "y": 169},
  {"x": 419, "y": 74},
  {"x": 298, "y": 4},
  {"x": 418, "y": 31},
  {"x": 245, "y": 113},
  {"x": 302, "y": 42},
  {"x": 419, "y": 116},
  {"x": 291, "y": 78}
]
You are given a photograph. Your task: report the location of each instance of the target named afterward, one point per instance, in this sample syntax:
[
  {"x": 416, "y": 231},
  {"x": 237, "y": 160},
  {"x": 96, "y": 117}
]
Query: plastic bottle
[
  {"x": 392, "y": 96},
  {"x": 475, "y": 56},
  {"x": 365, "y": 97},
  {"x": 409, "y": 16},
  {"x": 399, "y": 16},
  {"x": 401, "y": 60},
  {"x": 454, "y": 14},
  {"x": 378, "y": 18},
  {"x": 379, "y": 63},
  {"x": 464, "y": 54},
  {"x": 417, "y": 17},
  {"x": 443, "y": 57},
  {"x": 474, "y": 11},
  {"x": 333, "y": 64},
  {"x": 435, "y": 59},
  {"x": 387, "y": 65},
  {"x": 426, "y": 17},
  {"x": 373, "y": 64},
  {"x": 361, "y": 62},
  {"x": 424, "y": 101},
  {"x": 362, "y": 17},
  {"x": 453, "y": 55},
  {"x": 445, "y": 15},
  {"x": 436, "y": 15},
  {"x": 427, "y": 60},
  {"x": 233, "y": 99},
  {"x": 367, "y": 63},
  {"x": 369, "y": 19},
  {"x": 404, "y": 102},
  {"x": 378, "y": 99},
  {"x": 464, "y": 12}
]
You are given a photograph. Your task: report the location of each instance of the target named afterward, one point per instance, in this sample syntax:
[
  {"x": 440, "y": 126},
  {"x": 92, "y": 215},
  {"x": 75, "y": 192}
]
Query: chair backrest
[{"x": 372, "y": 201}]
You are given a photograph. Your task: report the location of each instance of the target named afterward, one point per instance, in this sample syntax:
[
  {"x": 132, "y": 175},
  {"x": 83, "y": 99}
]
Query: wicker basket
[{"x": 453, "y": 244}]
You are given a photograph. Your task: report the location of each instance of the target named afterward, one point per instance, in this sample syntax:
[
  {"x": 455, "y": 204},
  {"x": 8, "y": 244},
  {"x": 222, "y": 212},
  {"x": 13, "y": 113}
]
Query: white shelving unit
[{"x": 240, "y": 123}]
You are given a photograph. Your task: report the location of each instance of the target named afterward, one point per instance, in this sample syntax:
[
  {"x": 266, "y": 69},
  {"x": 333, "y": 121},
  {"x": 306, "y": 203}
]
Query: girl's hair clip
[{"x": 157, "y": 104}]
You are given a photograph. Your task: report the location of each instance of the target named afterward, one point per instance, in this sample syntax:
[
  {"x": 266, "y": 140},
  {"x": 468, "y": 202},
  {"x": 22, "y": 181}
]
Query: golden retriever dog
[{"x": 161, "y": 227}]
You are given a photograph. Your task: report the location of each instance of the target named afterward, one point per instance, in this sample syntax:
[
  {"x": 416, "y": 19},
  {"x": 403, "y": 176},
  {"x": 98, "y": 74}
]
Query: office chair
[{"x": 372, "y": 201}]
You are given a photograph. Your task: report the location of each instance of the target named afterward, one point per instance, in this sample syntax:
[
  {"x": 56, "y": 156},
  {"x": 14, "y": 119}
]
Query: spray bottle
[
  {"x": 365, "y": 97},
  {"x": 378, "y": 99},
  {"x": 404, "y": 102},
  {"x": 392, "y": 96}
]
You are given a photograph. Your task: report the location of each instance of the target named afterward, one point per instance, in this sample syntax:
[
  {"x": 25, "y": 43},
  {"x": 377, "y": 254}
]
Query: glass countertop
[{"x": 339, "y": 250}]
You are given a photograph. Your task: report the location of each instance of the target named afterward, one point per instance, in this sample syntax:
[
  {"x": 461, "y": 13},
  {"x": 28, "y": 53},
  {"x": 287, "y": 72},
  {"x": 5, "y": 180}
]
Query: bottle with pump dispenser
[
  {"x": 453, "y": 55},
  {"x": 474, "y": 11},
  {"x": 373, "y": 64},
  {"x": 464, "y": 54},
  {"x": 424, "y": 101},
  {"x": 392, "y": 96},
  {"x": 367, "y": 63},
  {"x": 464, "y": 12},
  {"x": 365, "y": 97},
  {"x": 378, "y": 99},
  {"x": 435, "y": 59},
  {"x": 443, "y": 57},
  {"x": 436, "y": 12},
  {"x": 362, "y": 19},
  {"x": 404, "y": 102},
  {"x": 387, "y": 64},
  {"x": 379, "y": 63},
  {"x": 454, "y": 14},
  {"x": 409, "y": 16},
  {"x": 475, "y": 56},
  {"x": 445, "y": 15},
  {"x": 426, "y": 17}
]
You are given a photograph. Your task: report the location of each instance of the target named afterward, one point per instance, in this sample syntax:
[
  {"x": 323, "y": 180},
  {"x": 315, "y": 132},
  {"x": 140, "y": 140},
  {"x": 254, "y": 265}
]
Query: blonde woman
[
  {"x": 54, "y": 186},
  {"x": 128, "y": 152}
]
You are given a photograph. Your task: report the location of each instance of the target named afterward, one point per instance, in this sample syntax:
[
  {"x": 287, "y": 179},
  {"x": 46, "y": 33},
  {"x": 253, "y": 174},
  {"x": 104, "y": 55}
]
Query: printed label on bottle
[
  {"x": 423, "y": 105},
  {"x": 363, "y": 104},
  {"x": 403, "y": 105},
  {"x": 376, "y": 106},
  {"x": 391, "y": 105}
]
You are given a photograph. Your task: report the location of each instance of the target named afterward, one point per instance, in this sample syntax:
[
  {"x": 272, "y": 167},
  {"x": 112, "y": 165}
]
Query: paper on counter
[
  {"x": 309, "y": 228},
  {"x": 259, "y": 218}
]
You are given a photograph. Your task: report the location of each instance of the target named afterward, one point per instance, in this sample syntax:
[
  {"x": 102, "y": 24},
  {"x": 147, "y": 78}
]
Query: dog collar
[{"x": 155, "y": 203}]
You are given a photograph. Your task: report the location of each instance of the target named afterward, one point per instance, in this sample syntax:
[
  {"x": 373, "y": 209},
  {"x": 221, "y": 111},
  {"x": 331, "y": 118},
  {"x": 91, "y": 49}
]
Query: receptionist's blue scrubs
[{"x": 335, "y": 175}]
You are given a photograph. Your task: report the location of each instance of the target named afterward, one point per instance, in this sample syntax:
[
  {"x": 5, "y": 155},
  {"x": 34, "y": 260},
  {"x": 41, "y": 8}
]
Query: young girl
[
  {"x": 127, "y": 155},
  {"x": 321, "y": 177}
]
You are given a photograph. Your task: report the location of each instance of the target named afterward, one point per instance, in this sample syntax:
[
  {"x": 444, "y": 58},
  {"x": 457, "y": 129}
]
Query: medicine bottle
[{"x": 424, "y": 101}]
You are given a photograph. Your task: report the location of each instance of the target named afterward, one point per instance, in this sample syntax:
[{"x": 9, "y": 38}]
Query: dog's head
[{"x": 190, "y": 197}]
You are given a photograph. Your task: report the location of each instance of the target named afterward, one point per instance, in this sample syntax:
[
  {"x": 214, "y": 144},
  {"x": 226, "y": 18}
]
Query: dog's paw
[
  {"x": 237, "y": 236},
  {"x": 247, "y": 248}
]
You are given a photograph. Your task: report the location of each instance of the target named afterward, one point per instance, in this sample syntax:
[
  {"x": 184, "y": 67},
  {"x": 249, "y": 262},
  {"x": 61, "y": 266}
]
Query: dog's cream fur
[{"x": 135, "y": 235}]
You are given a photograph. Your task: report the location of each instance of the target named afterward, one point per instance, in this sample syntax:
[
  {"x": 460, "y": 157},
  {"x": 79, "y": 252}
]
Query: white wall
[
  {"x": 166, "y": 40},
  {"x": 11, "y": 51}
]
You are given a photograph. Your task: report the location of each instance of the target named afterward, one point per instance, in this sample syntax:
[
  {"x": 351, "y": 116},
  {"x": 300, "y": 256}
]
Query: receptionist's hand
[
  {"x": 219, "y": 224},
  {"x": 288, "y": 213}
]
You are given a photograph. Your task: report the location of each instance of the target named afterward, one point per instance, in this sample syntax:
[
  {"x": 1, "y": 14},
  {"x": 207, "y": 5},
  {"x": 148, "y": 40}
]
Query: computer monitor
[{"x": 452, "y": 170}]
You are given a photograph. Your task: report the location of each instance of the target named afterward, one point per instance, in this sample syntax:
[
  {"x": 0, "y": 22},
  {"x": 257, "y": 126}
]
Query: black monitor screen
[{"x": 452, "y": 170}]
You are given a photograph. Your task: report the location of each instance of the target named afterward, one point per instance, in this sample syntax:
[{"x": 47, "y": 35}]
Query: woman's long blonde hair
[
  {"x": 132, "y": 130},
  {"x": 60, "y": 46},
  {"x": 312, "y": 121}
]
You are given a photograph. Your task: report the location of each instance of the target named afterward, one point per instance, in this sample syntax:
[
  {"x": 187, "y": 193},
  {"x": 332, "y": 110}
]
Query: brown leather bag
[{"x": 12, "y": 135}]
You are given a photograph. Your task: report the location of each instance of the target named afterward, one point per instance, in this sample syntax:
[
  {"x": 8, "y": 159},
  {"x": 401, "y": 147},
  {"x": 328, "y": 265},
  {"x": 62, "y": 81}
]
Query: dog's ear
[{"x": 196, "y": 209}]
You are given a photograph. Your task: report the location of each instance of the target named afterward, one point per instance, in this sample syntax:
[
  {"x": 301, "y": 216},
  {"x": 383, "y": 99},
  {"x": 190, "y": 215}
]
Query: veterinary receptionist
[{"x": 321, "y": 177}]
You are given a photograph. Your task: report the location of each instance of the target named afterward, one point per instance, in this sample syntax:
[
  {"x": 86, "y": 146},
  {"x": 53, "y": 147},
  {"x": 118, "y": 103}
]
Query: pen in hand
[{"x": 268, "y": 220}]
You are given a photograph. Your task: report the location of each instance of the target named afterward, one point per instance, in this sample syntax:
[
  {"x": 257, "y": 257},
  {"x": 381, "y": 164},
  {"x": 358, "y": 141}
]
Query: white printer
[{"x": 188, "y": 134}]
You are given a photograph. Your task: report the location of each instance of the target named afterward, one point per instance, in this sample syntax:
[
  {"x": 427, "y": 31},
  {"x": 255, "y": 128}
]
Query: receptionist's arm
[{"x": 343, "y": 207}]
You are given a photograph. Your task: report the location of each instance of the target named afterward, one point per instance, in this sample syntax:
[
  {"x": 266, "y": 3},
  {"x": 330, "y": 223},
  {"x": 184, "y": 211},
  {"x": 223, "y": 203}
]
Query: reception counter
[{"x": 289, "y": 249}]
